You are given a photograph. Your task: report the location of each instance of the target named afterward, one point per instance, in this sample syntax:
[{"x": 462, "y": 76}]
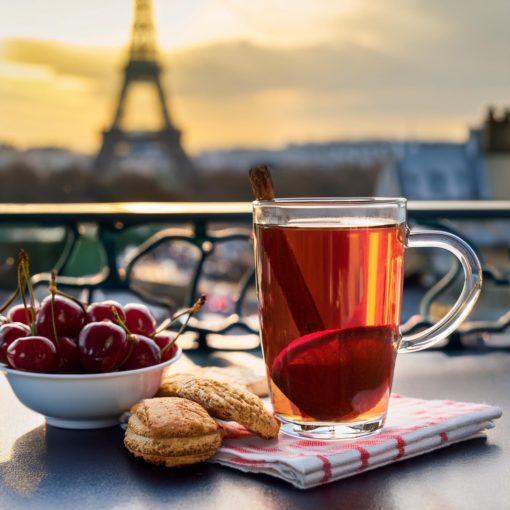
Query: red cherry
[
  {"x": 102, "y": 346},
  {"x": 8, "y": 334},
  {"x": 69, "y": 317},
  {"x": 18, "y": 314},
  {"x": 145, "y": 353},
  {"x": 164, "y": 338},
  {"x": 139, "y": 320},
  {"x": 68, "y": 355},
  {"x": 97, "y": 312},
  {"x": 33, "y": 354}
]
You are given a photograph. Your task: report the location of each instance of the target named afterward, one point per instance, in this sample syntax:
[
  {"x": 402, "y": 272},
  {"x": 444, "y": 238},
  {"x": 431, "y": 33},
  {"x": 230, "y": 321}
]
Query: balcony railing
[{"x": 168, "y": 253}]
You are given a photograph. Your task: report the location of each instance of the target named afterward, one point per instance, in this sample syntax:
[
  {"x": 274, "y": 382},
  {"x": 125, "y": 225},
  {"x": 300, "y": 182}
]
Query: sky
[{"x": 253, "y": 74}]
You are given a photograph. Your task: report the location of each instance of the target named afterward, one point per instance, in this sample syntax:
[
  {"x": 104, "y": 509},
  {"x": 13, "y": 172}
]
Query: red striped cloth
[{"x": 413, "y": 427}]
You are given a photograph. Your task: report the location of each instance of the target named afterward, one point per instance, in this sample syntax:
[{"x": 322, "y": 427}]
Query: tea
[{"x": 329, "y": 306}]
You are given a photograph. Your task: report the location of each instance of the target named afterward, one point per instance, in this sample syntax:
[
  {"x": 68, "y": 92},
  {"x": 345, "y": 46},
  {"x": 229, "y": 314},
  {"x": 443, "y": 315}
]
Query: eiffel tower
[{"x": 144, "y": 67}]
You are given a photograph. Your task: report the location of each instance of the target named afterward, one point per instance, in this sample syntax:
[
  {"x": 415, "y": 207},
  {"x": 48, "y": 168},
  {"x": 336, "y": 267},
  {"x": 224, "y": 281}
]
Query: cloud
[
  {"x": 434, "y": 65},
  {"x": 412, "y": 46},
  {"x": 62, "y": 59},
  {"x": 218, "y": 69}
]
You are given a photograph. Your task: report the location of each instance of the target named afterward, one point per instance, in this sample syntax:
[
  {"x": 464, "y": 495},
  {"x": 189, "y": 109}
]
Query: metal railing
[{"x": 204, "y": 227}]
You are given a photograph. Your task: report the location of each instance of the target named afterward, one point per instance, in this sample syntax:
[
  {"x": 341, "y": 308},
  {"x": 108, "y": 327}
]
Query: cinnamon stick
[
  {"x": 283, "y": 262},
  {"x": 261, "y": 183}
]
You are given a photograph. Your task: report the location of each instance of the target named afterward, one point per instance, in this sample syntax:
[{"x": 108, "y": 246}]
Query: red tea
[{"x": 329, "y": 306}]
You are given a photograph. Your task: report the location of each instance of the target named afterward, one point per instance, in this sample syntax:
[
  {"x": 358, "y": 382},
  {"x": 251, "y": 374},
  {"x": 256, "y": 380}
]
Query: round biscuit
[
  {"x": 173, "y": 449},
  {"x": 171, "y": 431},
  {"x": 170, "y": 417}
]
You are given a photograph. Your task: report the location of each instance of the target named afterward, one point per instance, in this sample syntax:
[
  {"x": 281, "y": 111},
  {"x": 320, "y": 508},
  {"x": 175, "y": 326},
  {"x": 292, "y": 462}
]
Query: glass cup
[{"x": 329, "y": 285}]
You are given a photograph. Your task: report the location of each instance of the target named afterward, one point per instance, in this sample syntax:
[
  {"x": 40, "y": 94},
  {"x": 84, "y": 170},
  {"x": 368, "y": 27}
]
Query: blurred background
[
  {"x": 165, "y": 100},
  {"x": 172, "y": 101}
]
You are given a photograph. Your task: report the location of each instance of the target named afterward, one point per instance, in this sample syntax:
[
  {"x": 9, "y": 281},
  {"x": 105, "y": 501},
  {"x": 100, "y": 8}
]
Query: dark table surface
[{"x": 45, "y": 467}]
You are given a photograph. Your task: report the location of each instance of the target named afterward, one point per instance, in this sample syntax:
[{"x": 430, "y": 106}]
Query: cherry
[
  {"x": 18, "y": 314},
  {"x": 33, "y": 354},
  {"x": 8, "y": 334},
  {"x": 164, "y": 338},
  {"x": 139, "y": 320},
  {"x": 102, "y": 346},
  {"x": 145, "y": 353},
  {"x": 68, "y": 354},
  {"x": 97, "y": 312},
  {"x": 69, "y": 317}
]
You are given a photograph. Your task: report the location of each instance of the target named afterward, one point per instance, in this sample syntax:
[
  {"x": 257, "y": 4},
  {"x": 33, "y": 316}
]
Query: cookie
[
  {"x": 231, "y": 403},
  {"x": 248, "y": 367},
  {"x": 171, "y": 431},
  {"x": 229, "y": 375},
  {"x": 170, "y": 385}
]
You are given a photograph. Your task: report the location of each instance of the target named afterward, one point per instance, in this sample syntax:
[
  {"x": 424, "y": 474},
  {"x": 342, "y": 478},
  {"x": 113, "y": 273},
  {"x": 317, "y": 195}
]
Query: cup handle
[{"x": 467, "y": 299}]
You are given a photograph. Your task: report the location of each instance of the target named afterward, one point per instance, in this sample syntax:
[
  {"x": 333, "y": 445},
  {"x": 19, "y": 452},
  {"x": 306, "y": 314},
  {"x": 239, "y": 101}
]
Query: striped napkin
[{"x": 413, "y": 426}]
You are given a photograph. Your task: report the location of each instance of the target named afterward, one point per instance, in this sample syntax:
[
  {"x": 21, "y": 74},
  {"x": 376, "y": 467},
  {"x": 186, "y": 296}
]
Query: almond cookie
[
  {"x": 231, "y": 403},
  {"x": 171, "y": 431}
]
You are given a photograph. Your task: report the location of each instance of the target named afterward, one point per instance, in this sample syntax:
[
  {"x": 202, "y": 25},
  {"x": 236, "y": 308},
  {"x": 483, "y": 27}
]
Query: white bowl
[{"x": 85, "y": 401}]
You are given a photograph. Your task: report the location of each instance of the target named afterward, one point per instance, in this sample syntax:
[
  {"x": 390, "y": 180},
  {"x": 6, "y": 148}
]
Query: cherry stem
[
  {"x": 10, "y": 300},
  {"x": 53, "y": 290},
  {"x": 29, "y": 282},
  {"x": 191, "y": 311},
  {"x": 21, "y": 287},
  {"x": 24, "y": 282},
  {"x": 130, "y": 338},
  {"x": 132, "y": 342},
  {"x": 81, "y": 304},
  {"x": 119, "y": 321}
]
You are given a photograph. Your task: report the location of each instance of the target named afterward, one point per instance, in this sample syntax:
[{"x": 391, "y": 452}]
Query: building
[
  {"x": 494, "y": 144},
  {"x": 434, "y": 171}
]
